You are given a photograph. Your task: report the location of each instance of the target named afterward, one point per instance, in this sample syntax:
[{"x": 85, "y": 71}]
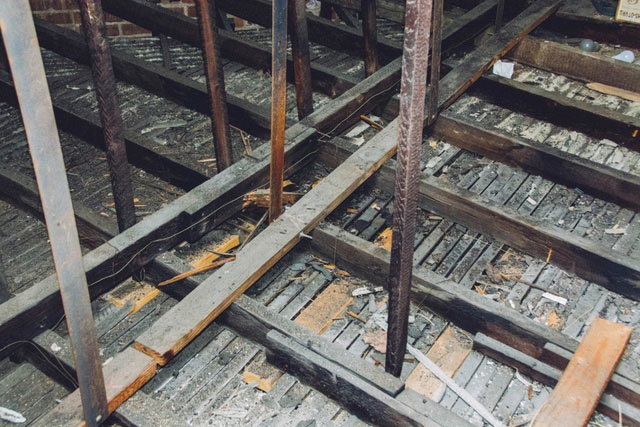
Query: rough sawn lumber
[{"x": 578, "y": 391}]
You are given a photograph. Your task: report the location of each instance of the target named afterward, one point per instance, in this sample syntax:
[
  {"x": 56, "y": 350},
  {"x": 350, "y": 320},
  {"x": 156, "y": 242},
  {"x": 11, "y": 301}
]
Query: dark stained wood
[
  {"x": 155, "y": 78},
  {"x": 366, "y": 401},
  {"x": 465, "y": 307},
  {"x": 578, "y": 255},
  {"x": 124, "y": 375},
  {"x": 174, "y": 330},
  {"x": 541, "y": 159},
  {"x": 481, "y": 59},
  {"x": 254, "y": 321},
  {"x": 232, "y": 46},
  {"x": 141, "y": 152},
  {"x": 370, "y": 36},
  {"x": 301, "y": 56},
  {"x": 278, "y": 105},
  {"x": 190, "y": 216},
  {"x": 578, "y": 391},
  {"x": 215, "y": 84},
  {"x": 546, "y": 374},
  {"x": 322, "y": 31},
  {"x": 594, "y": 120},
  {"x": 576, "y": 63}
]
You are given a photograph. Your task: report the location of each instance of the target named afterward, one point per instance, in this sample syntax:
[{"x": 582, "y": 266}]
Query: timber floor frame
[{"x": 529, "y": 226}]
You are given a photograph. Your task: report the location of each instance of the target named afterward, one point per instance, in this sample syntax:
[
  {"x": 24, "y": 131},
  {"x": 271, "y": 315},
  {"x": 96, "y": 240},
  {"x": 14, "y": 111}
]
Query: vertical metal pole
[
  {"x": 412, "y": 99},
  {"x": 499, "y": 14},
  {"x": 301, "y": 57},
  {"x": 436, "y": 53},
  {"x": 106, "y": 93},
  {"x": 215, "y": 85},
  {"x": 18, "y": 31},
  {"x": 369, "y": 33},
  {"x": 278, "y": 105}
]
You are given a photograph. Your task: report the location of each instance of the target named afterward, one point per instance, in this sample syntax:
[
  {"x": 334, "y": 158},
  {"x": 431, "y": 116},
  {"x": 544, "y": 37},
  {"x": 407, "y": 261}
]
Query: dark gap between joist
[
  {"x": 587, "y": 259},
  {"x": 594, "y": 26},
  {"x": 232, "y": 46},
  {"x": 577, "y": 64},
  {"x": 540, "y": 159},
  {"x": 155, "y": 79},
  {"x": 556, "y": 108},
  {"x": 549, "y": 375},
  {"x": 188, "y": 217},
  {"x": 465, "y": 307},
  {"x": 140, "y": 150}
]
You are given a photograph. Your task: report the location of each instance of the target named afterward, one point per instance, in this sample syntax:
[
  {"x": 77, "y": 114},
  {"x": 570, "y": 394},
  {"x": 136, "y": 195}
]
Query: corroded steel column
[
  {"x": 412, "y": 99},
  {"x": 105, "y": 84},
  {"x": 278, "y": 105},
  {"x": 215, "y": 84},
  {"x": 19, "y": 35}
]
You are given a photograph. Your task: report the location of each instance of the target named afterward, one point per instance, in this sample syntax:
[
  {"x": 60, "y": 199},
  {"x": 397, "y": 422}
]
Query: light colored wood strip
[
  {"x": 331, "y": 303},
  {"x": 576, "y": 395},
  {"x": 124, "y": 375},
  {"x": 448, "y": 352},
  {"x": 185, "y": 320}
]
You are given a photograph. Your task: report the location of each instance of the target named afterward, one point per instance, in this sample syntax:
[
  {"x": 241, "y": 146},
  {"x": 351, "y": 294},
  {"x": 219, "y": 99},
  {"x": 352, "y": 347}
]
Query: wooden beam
[
  {"x": 370, "y": 36},
  {"x": 541, "y": 159},
  {"x": 124, "y": 375},
  {"x": 232, "y": 46},
  {"x": 555, "y": 108},
  {"x": 549, "y": 375},
  {"x": 190, "y": 216},
  {"x": 168, "y": 335},
  {"x": 322, "y": 31},
  {"x": 579, "y": 19},
  {"x": 582, "y": 383},
  {"x": 465, "y": 307},
  {"x": 155, "y": 78},
  {"x": 140, "y": 151},
  {"x": 587, "y": 259},
  {"x": 301, "y": 56},
  {"x": 278, "y": 105},
  {"x": 481, "y": 59},
  {"x": 576, "y": 63}
]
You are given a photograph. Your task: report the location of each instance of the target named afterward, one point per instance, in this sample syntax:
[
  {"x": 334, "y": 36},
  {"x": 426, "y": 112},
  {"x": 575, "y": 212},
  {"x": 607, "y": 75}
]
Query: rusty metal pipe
[
  {"x": 19, "y": 35},
  {"x": 106, "y": 93},
  {"x": 412, "y": 101},
  {"x": 278, "y": 105},
  {"x": 215, "y": 84}
]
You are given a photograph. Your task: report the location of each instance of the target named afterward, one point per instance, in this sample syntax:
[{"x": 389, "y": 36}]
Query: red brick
[
  {"x": 191, "y": 11},
  {"x": 129, "y": 29},
  {"x": 51, "y": 4},
  {"x": 113, "y": 29},
  {"x": 57, "y": 17},
  {"x": 112, "y": 18}
]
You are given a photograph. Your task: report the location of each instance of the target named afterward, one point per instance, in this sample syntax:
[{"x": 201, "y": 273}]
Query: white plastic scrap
[
  {"x": 625, "y": 56},
  {"x": 11, "y": 416},
  {"x": 555, "y": 298},
  {"x": 616, "y": 229},
  {"x": 504, "y": 69},
  {"x": 366, "y": 291},
  {"x": 55, "y": 347}
]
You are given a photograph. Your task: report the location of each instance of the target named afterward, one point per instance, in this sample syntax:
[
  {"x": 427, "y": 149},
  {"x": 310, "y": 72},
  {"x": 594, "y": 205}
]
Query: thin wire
[{"x": 61, "y": 369}]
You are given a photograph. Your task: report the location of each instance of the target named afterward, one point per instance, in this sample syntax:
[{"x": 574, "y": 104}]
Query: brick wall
[{"x": 67, "y": 14}]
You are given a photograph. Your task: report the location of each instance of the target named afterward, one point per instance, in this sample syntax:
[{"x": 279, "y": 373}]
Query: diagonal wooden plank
[
  {"x": 578, "y": 391},
  {"x": 183, "y": 322},
  {"x": 126, "y": 373}
]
